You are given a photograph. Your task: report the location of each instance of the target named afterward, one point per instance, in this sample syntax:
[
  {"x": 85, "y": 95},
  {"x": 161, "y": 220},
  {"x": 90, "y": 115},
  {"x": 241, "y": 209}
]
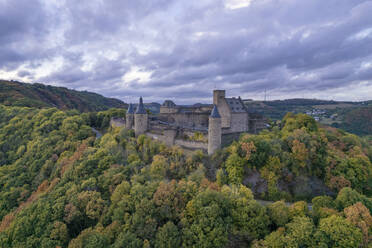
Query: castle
[{"x": 199, "y": 126}]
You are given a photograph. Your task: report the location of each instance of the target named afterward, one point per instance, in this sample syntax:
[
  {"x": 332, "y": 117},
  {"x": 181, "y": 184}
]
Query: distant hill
[
  {"x": 354, "y": 117},
  {"x": 37, "y": 95},
  {"x": 356, "y": 120}
]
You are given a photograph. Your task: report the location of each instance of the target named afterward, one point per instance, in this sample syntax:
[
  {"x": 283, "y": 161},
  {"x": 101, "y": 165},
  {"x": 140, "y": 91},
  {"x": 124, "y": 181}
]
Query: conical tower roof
[
  {"x": 215, "y": 113},
  {"x": 140, "y": 107},
  {"x": 130, "y": 109}
]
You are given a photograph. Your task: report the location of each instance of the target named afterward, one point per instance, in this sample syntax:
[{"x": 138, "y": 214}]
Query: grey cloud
[
  {"x": 19, "y": 19},
  {"x": 100, "y": 19},
  {"x": 190, "y": 47},
  {"x": 22, "y": 31}
]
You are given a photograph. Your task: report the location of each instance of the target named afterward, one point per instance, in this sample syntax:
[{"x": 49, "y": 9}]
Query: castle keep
[{"x": 200, "y": 126}]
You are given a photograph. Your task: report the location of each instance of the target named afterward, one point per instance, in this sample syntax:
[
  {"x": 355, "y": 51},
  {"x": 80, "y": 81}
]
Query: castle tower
[
  {"x": 140, "y": 119},
  {"x": 129, "y": 120},
  {"x": 214, "y": 131},
  {"x": 218, "y": 96},
  {"x": 219, "y": 99}
]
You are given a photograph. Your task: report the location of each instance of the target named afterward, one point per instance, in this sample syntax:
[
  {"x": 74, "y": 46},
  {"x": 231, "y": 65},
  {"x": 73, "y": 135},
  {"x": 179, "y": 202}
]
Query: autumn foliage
[{"x": 63, "y": 187}]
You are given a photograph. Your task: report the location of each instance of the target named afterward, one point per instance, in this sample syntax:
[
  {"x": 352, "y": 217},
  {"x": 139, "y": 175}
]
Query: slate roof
[
  {"x": 130, "y": 109},
  {"x": 140, "y": 107},
  {"x": 236, "y": 105},
  {"x": 169, "y": 104},
  {"x": 215, "y": 113}
]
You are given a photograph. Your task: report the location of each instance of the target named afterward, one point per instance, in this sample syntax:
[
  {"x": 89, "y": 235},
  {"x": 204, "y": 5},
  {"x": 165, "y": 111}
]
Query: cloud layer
[{"x": 181, "y": 50}]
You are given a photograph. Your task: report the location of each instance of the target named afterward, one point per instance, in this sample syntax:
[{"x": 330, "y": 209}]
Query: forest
[
  {"x": 61, "y": 186},
  {"x": 13, "y": 93}
]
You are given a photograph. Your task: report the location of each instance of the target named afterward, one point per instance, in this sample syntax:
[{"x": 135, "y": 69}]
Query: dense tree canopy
[
  {"x": 62, "y": 187},
  {"x": 297, "y": 153}
]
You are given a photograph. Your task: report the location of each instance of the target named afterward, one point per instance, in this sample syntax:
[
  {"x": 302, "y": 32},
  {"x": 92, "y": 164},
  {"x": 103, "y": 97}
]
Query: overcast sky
[{"x": 183, "y": 49}]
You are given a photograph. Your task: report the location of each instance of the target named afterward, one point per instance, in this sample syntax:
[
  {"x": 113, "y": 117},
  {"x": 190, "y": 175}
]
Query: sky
[{"x": 182, "y": 50}]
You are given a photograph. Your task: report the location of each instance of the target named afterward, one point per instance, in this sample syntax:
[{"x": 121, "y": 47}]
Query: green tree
[
  {"x": 279, "y": 213},
  {"x": 321, "y": 204},
  {"x": 250, "y": 219},
  {"x": 335, "y": 231},
  {"x": 221, "y": 177},
  {"x": 235, "y": 168},
  {"x": 168, "y": 236},
  {"x": 89, "y": 238},
  {"x": 128, "y": 239},
  {"x": 298, "y": 233},
  {"x": 347, "y": 197},
  {"x": 206, "y": 221}
]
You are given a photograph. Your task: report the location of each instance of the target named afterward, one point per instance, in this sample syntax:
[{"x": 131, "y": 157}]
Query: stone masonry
[{"x": 198, "y": 126}]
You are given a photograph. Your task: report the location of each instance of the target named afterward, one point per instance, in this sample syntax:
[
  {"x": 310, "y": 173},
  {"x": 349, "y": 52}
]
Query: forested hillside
[
  {"x": 354, "y": 117},
  {"x": 38, "y": 95},
  {"x": 62, "y": 187},
  {"x": 357, "y": 120}
]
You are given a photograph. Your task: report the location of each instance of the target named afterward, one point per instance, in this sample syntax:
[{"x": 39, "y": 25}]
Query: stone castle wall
[
  {"x": 197, "y": 120},
  {"x": 177, "y": 125},
  {"x": 239, "y": 122},
  {"x": 228, "y": 138},
  {"x": 169, "y": 138},
  {"x": 193, "y": 145},
  {"x": 140, "y": 123},
  {"x": 172, "y": 137},
  {"x": 168, "y": 110}
]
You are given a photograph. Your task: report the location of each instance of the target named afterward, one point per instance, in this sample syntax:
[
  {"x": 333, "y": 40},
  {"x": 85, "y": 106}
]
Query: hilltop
[{"x": 37, "y": 95}]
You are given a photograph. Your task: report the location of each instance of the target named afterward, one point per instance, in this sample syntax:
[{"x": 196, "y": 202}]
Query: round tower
[
  {"x": 140, "y": 119},
  {"x": 214, "y": 131},
  {"x": 129, "y": 117}
]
